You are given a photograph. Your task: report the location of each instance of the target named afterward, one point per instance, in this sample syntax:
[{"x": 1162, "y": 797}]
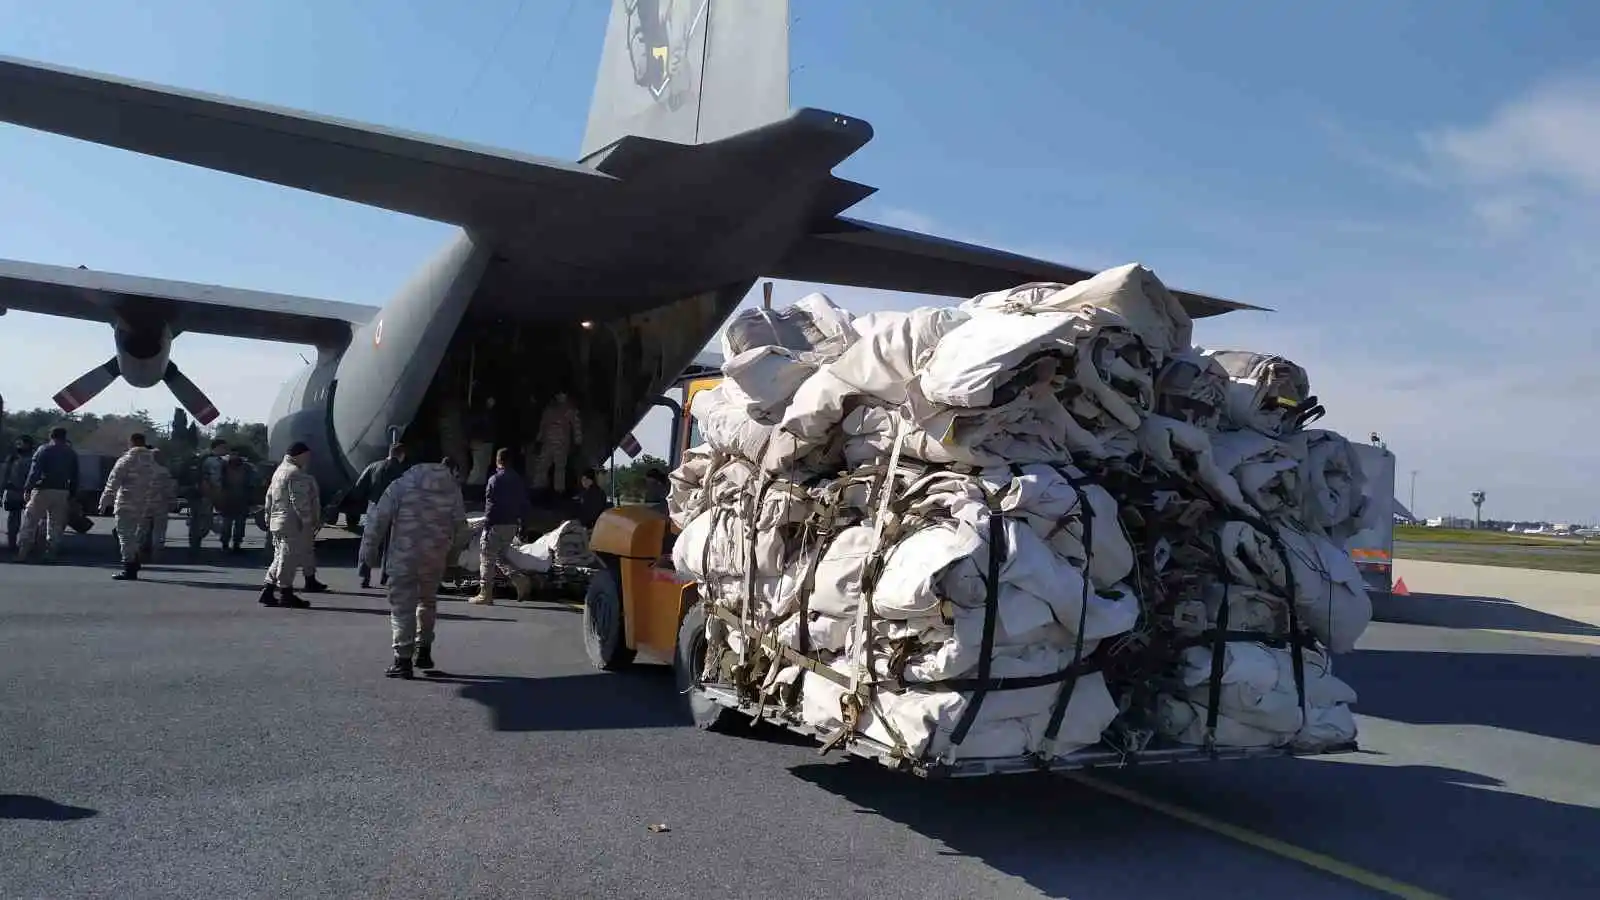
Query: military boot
[
  {"x": 424, "y": 658},
  {"x": 289, "y": 599},
  {"x": 130, "y": 572},
  {"x": 313, "y": 586},
  {"x": 485, "y": 595},
  {"x": 269, "y": 594},
  {"x": 400, "y": 668}
]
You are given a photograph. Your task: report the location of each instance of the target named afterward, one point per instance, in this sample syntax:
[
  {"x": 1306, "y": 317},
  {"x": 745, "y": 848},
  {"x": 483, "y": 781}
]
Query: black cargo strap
[
  {"x": 1297, "y": 642},
  {"x": 1059, "y": 711},
  {"x": 991, "y": 616},
  {"x": 1219, "y": 647}
]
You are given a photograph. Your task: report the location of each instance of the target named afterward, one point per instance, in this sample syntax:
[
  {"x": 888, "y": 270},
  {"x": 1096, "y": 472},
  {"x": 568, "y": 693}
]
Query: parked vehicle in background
[{"x": 1372, "y": 548}]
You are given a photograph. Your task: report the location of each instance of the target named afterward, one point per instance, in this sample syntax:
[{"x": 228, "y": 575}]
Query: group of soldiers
[
  {"x": 41, "y": 486},
  {"x": 415, "y": 530}
]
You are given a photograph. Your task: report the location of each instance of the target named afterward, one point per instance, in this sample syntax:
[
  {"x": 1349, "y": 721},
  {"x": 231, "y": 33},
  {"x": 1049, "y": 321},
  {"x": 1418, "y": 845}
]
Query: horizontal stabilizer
[
  {"x": 864, "y": 254},
  {"x": 184, "y": 306},
  {"x": 407, "y": 173}
]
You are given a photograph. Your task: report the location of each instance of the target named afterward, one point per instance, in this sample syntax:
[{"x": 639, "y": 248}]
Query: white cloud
[
  {"x": 1536, "y": 157},
  {"x": 1550, "y": 134}
]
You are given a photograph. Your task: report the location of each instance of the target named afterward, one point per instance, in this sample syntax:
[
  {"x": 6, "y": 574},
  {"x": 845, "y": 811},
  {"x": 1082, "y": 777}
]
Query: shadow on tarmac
[
  {"x": 1552, "y": 695},
  {"x": 601, "y": 700},
  {"x": 27, "y": 806},
  {"x": 640, "y": 697},
  {"x": 1432, "y": 827},
  {"x": 1459, "y": 611}
]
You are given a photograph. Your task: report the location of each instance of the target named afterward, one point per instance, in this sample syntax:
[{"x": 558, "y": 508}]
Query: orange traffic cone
[{"x": 1400, "y": 589}]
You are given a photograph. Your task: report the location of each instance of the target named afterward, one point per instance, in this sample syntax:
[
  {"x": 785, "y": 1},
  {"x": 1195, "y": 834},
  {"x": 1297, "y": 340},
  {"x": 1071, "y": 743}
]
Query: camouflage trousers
[
  {"x": 46, "y": 512},
  {"x": 550, "y": 467},
  {"x": 413, "y": 607},
  {"x": 291, "y": 552},
  {"x": 132, "y": 528},
  {"x": 201, "y": 520},
  {"x": 156, "y": 539},
  {"x": 492, "y": 556}
]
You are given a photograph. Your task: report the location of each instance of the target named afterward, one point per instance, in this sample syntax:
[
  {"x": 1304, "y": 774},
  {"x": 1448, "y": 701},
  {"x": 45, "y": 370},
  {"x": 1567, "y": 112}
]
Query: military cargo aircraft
[{"x": 600, "y": 278}]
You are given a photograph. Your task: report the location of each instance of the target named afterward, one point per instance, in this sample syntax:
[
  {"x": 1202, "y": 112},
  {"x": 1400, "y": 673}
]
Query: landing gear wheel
[
  {"x": 603, "y": 637},
  {"x": 688, "y": 661}
]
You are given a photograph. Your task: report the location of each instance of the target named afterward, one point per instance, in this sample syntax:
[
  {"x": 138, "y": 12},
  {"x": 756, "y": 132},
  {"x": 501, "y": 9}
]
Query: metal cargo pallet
[{"x": 1099, "y": 756}]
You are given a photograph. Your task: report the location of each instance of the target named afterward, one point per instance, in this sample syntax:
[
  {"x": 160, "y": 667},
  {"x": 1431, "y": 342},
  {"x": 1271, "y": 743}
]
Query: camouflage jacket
[
  {"x": 560, "y": 425},
  {"x": 422, "y": 521},
  {"x": 134, "y": 484},
  {"x": 293, "y": 503},
  {"x": 166, "y": 491}
]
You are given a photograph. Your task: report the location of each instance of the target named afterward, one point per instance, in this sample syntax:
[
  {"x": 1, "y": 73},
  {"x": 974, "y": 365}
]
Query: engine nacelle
[{"x": 142, "y": 354}]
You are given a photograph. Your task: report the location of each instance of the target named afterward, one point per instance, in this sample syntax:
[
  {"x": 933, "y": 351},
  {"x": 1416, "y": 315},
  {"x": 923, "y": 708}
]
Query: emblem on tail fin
[{"x": 660, "y": 33}]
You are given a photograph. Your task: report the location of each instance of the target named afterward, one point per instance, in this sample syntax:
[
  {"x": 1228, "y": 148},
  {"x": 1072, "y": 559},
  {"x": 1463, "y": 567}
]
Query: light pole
[{"x": 1412, "y": 506}]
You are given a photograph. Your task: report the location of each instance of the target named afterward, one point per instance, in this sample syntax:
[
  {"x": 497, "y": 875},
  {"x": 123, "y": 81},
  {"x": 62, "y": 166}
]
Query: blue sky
[{"x": 1412, "y": 185}]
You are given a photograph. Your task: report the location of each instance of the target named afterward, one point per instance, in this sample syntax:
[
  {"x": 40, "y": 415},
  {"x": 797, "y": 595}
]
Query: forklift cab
[{"x": 635, "y": 601}]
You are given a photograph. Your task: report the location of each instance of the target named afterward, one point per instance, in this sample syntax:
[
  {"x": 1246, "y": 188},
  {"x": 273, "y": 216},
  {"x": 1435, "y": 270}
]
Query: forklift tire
[
  {"x": 688, "y": 660},
  {"x": 604, "y": 639}
]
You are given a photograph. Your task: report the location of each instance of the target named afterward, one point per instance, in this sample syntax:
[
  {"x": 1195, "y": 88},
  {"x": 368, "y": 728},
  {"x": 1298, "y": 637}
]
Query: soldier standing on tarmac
[
  {"x": 505, "y": 508},
  {"x": 47, "y": 495},
  {"x": 233, "y": 504},
  {"x": 161, "y": 498},
  {"x": 203, "y": 505},
  {"x": 374, "y": 480},
  {"x": 294, "y": 515},
  {"x": 424, "y": 520},
  {"x": 14, "y": 485},
  {"x": 130, "y": 491}
]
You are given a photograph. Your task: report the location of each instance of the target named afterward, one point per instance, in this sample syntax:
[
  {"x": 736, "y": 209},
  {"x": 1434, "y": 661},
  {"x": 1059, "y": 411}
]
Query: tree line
[
  {"x": 107, "y": 435},
  {"x": 177, "y": 439}
]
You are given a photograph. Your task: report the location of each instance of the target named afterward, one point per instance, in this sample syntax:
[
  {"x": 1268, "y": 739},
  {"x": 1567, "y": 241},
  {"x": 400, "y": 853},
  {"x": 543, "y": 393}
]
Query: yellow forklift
[{"x": 635, "y": 605}]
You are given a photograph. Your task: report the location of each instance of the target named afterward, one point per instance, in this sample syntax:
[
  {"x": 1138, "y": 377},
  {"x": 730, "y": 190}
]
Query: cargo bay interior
[{"x": 501, "y": 373}]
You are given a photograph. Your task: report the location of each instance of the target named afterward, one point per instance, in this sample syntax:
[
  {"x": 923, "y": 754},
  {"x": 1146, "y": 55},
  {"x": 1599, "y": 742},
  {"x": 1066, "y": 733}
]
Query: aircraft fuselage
[{"x": 654, "y": 269}]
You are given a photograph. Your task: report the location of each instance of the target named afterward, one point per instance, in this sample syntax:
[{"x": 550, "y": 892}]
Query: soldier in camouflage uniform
[
  {"x": 294, "y": 515},
  {"x": 560, "y": 430},
  {"x": 132, "y": 488},
  {"x": 424, "y": 522},
  {"x": 161, "y": 500}
]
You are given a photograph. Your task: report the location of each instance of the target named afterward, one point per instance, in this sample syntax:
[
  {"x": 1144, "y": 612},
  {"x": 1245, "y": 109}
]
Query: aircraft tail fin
[{"x": 689, "y": 71}]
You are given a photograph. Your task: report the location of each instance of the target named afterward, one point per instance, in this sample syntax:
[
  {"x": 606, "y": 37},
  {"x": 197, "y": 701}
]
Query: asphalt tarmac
[{"x": 173, "y": 739}]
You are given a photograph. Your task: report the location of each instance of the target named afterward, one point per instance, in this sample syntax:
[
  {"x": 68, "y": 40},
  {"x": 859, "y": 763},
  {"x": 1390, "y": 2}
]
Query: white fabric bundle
[
  {"x": 1332, "y": 485},
  {"x": 1131, "y": 291},
  {"x": 1329, "y": 595},
  {"x": 1193, "y": 388},
  {"x": 812, "y": 329},
  {"x": 1179, "y": 448},
  {"x": 989, "y": 406},
  {"x": 1258, "y": 382},
  {"x": 1259, "y": 704},
  {"x": 924, "y": 720},
  {"x": 1265, "y": 470},
  {"x": 879, "y": 366}
]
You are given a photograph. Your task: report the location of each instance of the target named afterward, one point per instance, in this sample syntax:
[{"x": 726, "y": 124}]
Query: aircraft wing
[
  {"x": 407, "y": 173},
  {"x": 184, "y": 306},
  {"x": 864, "y": 254}
]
